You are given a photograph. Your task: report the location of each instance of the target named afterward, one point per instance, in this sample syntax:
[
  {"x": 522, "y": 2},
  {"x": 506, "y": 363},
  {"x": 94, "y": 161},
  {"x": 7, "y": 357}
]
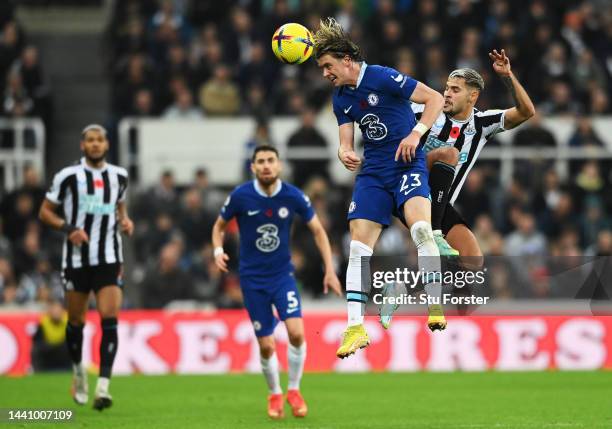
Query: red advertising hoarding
[{"x": 158, "y": 342}]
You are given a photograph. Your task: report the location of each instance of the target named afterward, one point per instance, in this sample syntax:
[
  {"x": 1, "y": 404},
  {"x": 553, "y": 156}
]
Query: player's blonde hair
[{"x": 331, "y": 39}]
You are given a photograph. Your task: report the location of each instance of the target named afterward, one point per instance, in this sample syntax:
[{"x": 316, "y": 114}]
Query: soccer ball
[{"x": 292, "y": 43}]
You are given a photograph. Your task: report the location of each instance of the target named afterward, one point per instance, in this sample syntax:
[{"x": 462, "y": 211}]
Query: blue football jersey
[
  {"x": 265, "y": 226},
  {"x": 380, "y": 104}
]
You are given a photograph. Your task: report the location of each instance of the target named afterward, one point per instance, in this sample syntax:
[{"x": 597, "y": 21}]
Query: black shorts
[
  {"x": 93, "y": 278},
  {"x": 452, "y": 218}
]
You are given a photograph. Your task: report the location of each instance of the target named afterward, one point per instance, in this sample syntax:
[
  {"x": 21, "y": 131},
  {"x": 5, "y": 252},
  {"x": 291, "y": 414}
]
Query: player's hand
[
  {"x": 350, "y": 159},
  {"x": 221, "y": 262},
  {"x": 407, "y": 147},
  {"x": 78, "y": 237},
  {"x": 331, "y": 281},
  {"x": 501, "y": 63},
  {"x": 127, "y": 226}
]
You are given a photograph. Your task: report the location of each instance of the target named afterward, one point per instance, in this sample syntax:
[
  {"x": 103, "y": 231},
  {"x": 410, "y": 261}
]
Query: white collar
[
  {"x": 364, "y": 65},
  {"x": 89, "y": 167},
  {"x": 261, "y": 191},
  {"x": 468, "y": 119}
]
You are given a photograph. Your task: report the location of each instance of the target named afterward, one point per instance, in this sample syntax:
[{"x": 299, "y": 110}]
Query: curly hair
[{"x": 331, "y": 39}]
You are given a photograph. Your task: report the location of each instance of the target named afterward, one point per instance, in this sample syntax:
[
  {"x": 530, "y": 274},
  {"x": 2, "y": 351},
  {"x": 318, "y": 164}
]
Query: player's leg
[
  {"x": 462, "y": 238},
  {"x": 370, "y": 209},
  {"x": 289, "y": 306},
  {"x": 296, "y": 357},
  {"x": 258, "y": 303},
  {"x": 417, "y": 214},
  {"x": 106, "y": 280},
  {"x": 364, "y": 234},
  {"x": 76, "y": 303},
  {"x": 441, "y": 164}
]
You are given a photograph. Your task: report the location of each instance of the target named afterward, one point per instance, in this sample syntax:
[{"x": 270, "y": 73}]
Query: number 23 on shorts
[{"x": 410, "y": 182}]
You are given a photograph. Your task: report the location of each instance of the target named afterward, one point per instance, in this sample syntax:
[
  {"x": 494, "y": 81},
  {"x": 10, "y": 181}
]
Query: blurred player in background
[
  {"x": 92, "y": 197},
  {"x": 394, "y": 176},
  {"x": 265, "y": 208},
  {"x": 456, "y": 139}
]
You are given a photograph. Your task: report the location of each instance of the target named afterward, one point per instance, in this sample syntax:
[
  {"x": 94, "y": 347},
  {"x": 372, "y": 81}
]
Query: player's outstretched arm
[
  {"x": 433, "y": 102},
  {"x": 330, "y": 281},
  {"x": 524, "y": 108},
  {"x": 218, "y": 233},
  {"x": 48, "y": 215},
  {"x": 346, "y": 151}
]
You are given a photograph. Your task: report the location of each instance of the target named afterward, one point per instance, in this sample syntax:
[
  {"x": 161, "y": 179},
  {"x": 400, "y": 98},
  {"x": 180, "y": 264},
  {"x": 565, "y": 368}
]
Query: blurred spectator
[
  {"x": 534, "y": 134},
  {"x": 143, "y": 104},
  {"x": 211, "y": 198},
  {"x": 19, "y": 208},
  {"x": 10, "y": 46},
  {"x": 594, "y": 220},
  {"x": 49, "y": 350},
  {"x": 306, "y": 137},
  {"x": 183, "y": 107},
  {"x": 474, "y": 197},
  {"x": 586, "y": 72},
  {"x": 560, "y": 100},
  {"x": 260, "y": 137},
  {"x": 195, "y": 222},
  {"x": 16, "y": 102},
  {"x": 584, "y": 134},
  {"x": 603, "y": 245},
  {"x": 219, "y": 95},
  {"x": 525, "y": 240},
  {"x": 166, "y": 282}
]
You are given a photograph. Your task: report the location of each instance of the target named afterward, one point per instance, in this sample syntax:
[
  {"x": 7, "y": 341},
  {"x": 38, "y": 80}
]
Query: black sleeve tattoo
[{"x": 507, "y": 80}]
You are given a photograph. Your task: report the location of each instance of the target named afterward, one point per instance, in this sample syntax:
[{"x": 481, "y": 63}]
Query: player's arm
[
  {"x": 523, "y": 106},
  {"x": 433, "y": 102},
  {"x": 48, "y": 215},
  {"x": 218, "y": 233},
  {"x": 346, "y": 151},
  {"x": 125, "y": 223},
  {"x": 330, "y": 279}
]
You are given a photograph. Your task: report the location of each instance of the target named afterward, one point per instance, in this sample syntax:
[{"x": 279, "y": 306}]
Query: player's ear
[{"x": 252, "y": 167}]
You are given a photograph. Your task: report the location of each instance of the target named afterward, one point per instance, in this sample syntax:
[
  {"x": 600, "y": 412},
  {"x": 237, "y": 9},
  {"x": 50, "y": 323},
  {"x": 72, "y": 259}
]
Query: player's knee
[
  {"x": 296, "y": 338},
  {"x": 266, "y": 348},
  {"x": 448, "y": 155}
]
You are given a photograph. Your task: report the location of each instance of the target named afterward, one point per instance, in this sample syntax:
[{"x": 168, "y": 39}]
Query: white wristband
[
  {"x": 420, "y": 128},
  {"x": 218, "y": 251}
]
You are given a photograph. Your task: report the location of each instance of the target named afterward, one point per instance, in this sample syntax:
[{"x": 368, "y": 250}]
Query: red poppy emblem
[
  {"x": 99, "y": 183},
  {"x": 269, "y": 212},
  {"x": 454, "y": 132},
  {"x": 363, "y": 104}
]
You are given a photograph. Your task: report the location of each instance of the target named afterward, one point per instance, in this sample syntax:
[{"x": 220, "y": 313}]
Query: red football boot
[
  {"x": 275, "y": 406},
  {"x": 298, "y": 405}
]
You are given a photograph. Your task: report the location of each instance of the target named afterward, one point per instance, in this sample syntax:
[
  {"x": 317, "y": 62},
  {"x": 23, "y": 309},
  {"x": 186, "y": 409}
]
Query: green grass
[{"x": 380, "y": 400}]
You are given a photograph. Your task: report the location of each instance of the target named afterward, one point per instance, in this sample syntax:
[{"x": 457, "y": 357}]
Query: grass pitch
[{"x": 376, "y": 400}]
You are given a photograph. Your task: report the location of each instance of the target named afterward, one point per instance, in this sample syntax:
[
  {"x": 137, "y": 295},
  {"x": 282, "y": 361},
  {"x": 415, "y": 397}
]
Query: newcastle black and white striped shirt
[
  {"x": 468, "y": 136},
  {"x": 89, "y": 198}
]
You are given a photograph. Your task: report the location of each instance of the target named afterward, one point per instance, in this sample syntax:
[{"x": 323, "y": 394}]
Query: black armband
[{"x": 68, "y": 228}]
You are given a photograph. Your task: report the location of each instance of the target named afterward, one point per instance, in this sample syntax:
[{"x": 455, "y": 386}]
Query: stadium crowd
[{"x": 181, "y": 59}]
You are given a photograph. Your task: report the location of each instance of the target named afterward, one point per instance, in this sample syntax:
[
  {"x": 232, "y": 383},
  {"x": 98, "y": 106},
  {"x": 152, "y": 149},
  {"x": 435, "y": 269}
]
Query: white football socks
[
  {"x": 296, "y": 356},
  {"x": 356, "y": 291},
  {"x": 428, "y": 258},
  {"x": 269, "y": 368},
  {"x": 102, "y": 386}
]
